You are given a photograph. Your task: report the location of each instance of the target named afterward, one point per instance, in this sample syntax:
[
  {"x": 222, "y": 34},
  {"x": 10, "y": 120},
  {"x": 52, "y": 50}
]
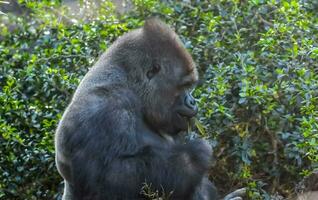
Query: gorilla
[{"x": 123, "y": 127}]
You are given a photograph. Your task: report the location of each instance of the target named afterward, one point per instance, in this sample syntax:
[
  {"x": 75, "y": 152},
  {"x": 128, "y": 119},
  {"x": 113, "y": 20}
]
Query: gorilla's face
[{"x": 168, "y": 103}]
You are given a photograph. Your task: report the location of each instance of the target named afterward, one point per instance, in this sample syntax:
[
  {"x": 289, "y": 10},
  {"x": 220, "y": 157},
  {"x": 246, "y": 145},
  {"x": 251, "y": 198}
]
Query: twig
[
  {"x": 274, "y": 142},
  {"x": 264, "y": 20}
]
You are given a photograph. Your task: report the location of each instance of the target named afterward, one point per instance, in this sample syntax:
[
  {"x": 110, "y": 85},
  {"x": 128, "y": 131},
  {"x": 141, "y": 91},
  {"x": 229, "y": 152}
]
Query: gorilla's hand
[
  {"x": 236, "y": 195},
  {"x": 201, "y": 154}
]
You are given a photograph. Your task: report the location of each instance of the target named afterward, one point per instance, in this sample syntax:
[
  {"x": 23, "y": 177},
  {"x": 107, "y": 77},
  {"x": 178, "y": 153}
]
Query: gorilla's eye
[{"x": 153, "y": 71}]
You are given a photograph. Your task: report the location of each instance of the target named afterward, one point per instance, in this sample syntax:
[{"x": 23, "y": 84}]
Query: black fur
[{"x": 120, "y": 130}]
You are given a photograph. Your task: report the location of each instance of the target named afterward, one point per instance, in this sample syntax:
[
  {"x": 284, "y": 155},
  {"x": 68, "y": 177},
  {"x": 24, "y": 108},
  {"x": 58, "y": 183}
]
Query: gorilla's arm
[{"x": 112, "y": 155}]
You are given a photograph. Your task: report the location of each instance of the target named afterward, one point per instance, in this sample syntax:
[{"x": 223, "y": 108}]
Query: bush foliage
[{"x": 258, "y": 94}]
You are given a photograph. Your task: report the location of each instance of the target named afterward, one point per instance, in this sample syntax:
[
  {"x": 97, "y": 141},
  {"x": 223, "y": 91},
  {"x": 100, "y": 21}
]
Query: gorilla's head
[
  {"x": 162, "y": 73},
  {"x": 169, "y": 78}
]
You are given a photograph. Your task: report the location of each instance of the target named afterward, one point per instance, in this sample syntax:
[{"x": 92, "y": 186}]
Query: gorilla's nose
[{"x": 189, "y": 101}]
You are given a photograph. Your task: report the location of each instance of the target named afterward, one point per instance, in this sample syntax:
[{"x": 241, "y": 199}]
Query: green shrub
[{"x": 258, "y": 96}]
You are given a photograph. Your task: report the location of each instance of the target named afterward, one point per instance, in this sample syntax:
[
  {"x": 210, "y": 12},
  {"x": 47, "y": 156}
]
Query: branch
[
  {"x": 274, "y": 152},
  {"x": 264, "y": 20}
]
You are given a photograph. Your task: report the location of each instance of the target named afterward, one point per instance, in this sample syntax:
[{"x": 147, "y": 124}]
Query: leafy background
[{"x": 258, "y": 96}]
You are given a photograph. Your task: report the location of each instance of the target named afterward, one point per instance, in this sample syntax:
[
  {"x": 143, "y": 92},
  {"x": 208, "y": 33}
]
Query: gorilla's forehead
[
  {"x": 184, "y": 56},
  {"x": 191, "y": 77},
  {"x": 184, "y": 74}
]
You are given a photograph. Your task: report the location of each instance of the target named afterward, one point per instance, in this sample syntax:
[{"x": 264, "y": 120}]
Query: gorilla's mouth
[
  {"x": 185, "y": 117},
  {"x": 187, "y": 113},
  {"x": 183, "y": 122}
]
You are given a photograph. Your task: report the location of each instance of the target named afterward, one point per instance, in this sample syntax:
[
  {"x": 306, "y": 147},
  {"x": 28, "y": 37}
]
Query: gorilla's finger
[
  {"x": 235, "y": 198},
  {"x": 236, "y": 193}
]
